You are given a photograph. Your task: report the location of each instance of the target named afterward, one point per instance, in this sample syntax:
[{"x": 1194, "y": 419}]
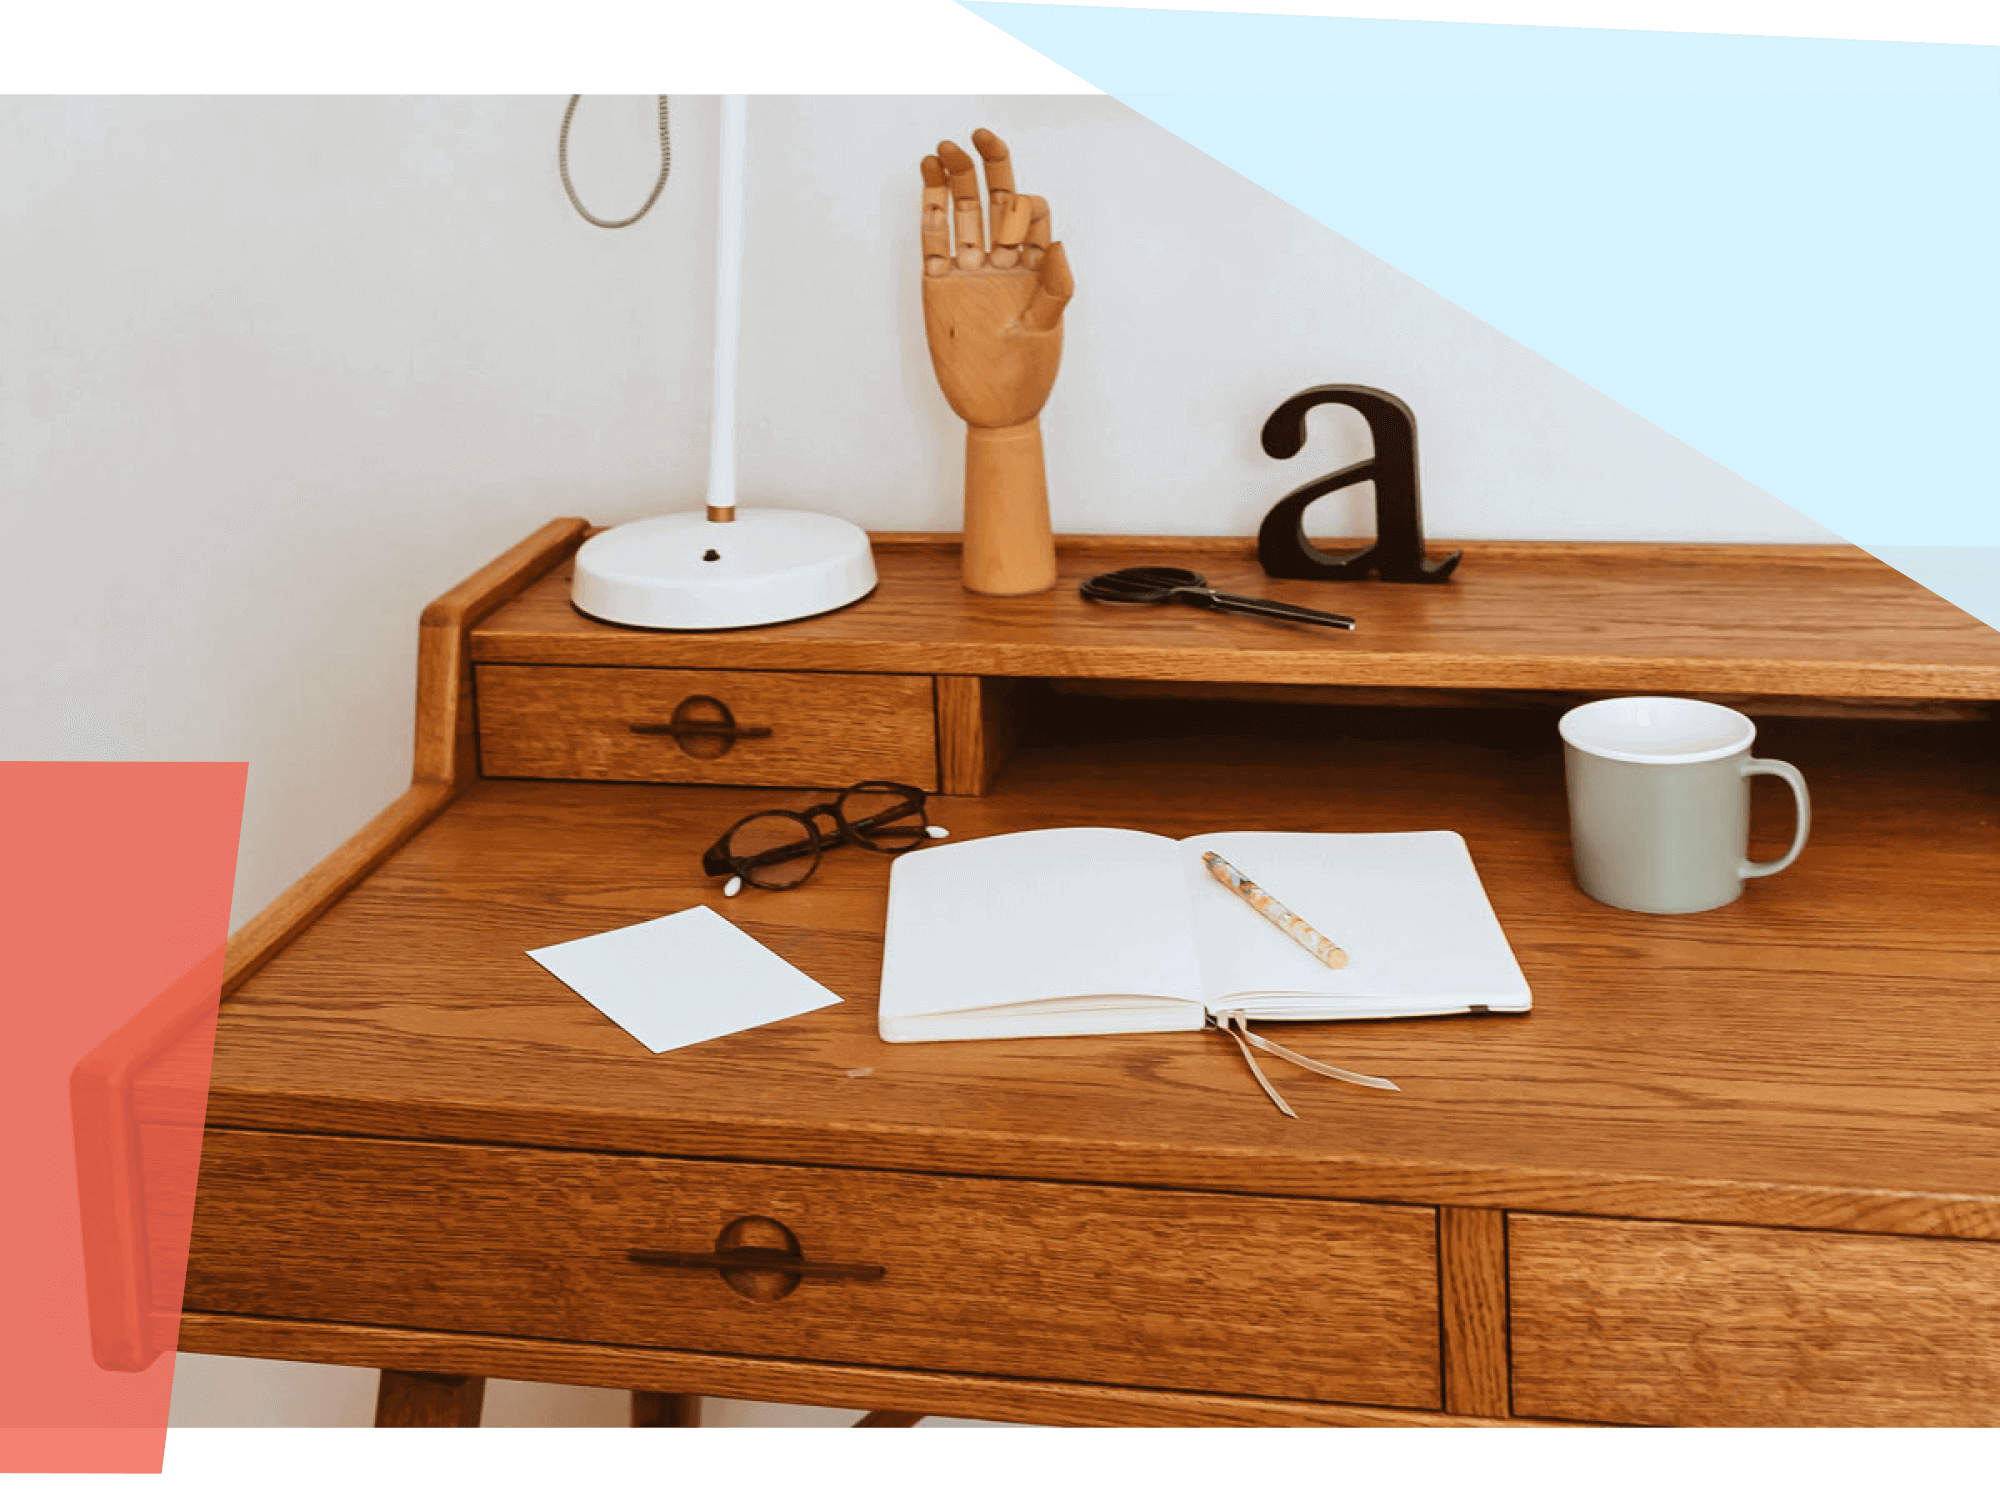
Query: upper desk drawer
[{"x": 705, "y": 727}]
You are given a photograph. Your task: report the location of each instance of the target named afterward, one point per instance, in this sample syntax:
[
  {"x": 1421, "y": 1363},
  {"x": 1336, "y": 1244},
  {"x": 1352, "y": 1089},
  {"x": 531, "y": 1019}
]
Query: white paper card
[{"x": 682, "y": 979}]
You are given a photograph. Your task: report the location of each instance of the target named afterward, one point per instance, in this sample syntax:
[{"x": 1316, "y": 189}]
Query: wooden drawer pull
[
  {"x": 760, "y": 1259},
  {"x": 702, "y": 726}
]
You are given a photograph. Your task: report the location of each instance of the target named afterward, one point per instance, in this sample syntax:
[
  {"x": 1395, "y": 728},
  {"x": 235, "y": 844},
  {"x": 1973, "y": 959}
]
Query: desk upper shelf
[{"x": 1749, "y": 620}]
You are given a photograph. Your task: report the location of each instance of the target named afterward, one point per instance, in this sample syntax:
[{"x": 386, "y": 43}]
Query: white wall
[{"x": 274, "y": 373}]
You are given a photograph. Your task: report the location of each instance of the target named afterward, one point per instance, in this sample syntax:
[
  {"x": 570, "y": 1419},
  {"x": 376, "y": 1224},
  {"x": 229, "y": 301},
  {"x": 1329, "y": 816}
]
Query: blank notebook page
[
  {"x": 1407, "y": 908},
  {"x": 1061, "y": 914}
]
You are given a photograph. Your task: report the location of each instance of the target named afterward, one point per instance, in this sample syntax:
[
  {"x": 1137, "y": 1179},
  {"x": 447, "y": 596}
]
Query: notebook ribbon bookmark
[
  {"x": 1237, "y": 1027},
  {"x": 1365, "y": 1080},
  {"x": 1232, "y": 1026}
]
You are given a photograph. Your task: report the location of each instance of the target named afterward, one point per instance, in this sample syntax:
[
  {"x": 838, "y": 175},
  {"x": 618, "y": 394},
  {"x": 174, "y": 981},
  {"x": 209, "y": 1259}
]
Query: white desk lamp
[{"x": 726, "y": 567}]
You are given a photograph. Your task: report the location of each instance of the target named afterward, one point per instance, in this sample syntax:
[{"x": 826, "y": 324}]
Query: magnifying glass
[{"x": 1151, "y": 584}]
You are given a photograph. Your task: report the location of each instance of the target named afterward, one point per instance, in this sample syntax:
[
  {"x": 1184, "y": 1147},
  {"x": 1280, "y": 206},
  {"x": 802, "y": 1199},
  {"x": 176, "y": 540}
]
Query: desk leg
[
  {"x": 428, "y": 1400},
  {"x": 665, "y": 1410}
]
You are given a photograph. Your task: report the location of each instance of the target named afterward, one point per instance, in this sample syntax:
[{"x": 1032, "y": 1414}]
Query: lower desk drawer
[
  {"x": 1639, "y": 1322},
  {"x": 705, "y": 727},
  {"x": 1295, "y": 1298}
]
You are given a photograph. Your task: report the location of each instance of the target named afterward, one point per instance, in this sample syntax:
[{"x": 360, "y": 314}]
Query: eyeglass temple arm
[{"x": 896, "y": 813}]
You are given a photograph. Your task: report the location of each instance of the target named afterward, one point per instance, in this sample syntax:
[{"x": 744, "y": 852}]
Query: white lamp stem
[{"x": 728, "y": 312}]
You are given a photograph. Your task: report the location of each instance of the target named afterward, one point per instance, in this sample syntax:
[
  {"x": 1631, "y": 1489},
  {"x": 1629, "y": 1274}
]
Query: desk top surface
[
  {"x": 1819, "y": 1054},
  {"x": 1750, "y": 620}
]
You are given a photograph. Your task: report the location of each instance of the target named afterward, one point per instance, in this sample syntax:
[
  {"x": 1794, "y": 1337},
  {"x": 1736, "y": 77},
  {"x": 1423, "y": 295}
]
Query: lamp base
[{"x": 683, "y": 571}]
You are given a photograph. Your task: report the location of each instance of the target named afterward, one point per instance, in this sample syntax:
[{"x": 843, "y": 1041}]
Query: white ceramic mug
[{"x": 1659, "y": 802}]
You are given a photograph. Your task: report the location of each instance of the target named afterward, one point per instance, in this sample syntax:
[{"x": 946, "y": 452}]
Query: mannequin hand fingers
[
  {"x": 1045, "y": 309},
  {"x": 999, "y": 166},
  {"x": 1038, "y": 231},
  {"x": 968, "y": 228},
  {"x": 999, "y": 181},
  {"x": 936, "y": 220},
  {"x": 1010, "y": 228}
]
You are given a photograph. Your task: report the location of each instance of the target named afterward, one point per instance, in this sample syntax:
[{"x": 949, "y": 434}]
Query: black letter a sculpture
[{"x": 1398, "y": 552}]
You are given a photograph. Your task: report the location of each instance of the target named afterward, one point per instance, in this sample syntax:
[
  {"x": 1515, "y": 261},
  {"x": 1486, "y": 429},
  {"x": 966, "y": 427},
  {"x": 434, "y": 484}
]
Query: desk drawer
[
  {"x": 561, "y": 722},
  {"x": 1278, "y": 1297},
  {"x": 1634, "y": 1322}
]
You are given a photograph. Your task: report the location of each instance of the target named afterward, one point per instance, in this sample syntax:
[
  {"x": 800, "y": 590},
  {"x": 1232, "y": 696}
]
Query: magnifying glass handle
[{"x": 1259, "y": 607}]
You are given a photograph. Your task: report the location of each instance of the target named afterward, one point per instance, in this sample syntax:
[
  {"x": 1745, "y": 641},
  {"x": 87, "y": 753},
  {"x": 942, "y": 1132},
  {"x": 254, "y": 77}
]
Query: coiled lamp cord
[{"x": 666, "y": 167}]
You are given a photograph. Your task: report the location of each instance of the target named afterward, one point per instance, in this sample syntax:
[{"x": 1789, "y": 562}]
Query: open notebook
[{"x": 1082, "y": 930}]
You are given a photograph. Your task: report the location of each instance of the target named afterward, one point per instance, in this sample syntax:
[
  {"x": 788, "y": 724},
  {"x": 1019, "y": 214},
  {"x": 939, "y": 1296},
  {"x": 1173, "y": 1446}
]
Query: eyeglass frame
[{"x": 717, "y": 862}]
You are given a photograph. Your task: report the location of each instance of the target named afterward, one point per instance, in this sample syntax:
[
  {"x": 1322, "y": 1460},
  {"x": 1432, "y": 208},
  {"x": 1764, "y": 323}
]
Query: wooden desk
[{"x": 1742, "y": 1167}]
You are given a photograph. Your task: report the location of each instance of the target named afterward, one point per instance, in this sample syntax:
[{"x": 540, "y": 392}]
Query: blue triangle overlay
[{"x": 1781, "y": 250}]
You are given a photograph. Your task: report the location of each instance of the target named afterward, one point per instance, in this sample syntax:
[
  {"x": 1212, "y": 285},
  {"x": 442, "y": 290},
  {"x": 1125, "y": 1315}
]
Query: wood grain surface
[
  {"x": 1641, "y": 1323},
  {"x": 1291, "y": 1298},
  {"x": 260, "y": 939},
  {"x": 778, "y": 1381},
  {"x": 565, "y": 723},
  {"x": 1817, "y": 1054},
  {"x": 169, "y": 1102},
  {"x": 1913, "y": 709},
  {"x": 1813, "y": 1056},
  {"x": 1472, "y": 1293},
  {"x": 976, "y": 729},
  {"x": 137, "y": 1101},
  {"x": 446, "y": 742},
  {"x": 1793, "y": 620}
]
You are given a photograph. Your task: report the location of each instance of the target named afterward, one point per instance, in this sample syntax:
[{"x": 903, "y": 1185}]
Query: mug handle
[{"x": 1790, "y": 775}]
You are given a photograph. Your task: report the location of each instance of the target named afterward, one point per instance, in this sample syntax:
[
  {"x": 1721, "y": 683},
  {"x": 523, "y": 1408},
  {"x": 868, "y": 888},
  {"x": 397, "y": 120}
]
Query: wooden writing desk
[{"x": 1741, "y": 1167}]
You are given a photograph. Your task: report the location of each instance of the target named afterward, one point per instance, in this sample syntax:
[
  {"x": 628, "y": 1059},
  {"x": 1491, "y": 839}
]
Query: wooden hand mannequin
[{"x": 993, "y": 317}]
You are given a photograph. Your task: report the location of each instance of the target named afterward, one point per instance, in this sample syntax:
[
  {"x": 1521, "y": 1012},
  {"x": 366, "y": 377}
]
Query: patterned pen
[{"x": 1260, "y": 900}]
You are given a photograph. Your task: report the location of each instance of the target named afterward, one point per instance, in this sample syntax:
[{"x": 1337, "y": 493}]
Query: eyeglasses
[{"x": 777, "y": 850}]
